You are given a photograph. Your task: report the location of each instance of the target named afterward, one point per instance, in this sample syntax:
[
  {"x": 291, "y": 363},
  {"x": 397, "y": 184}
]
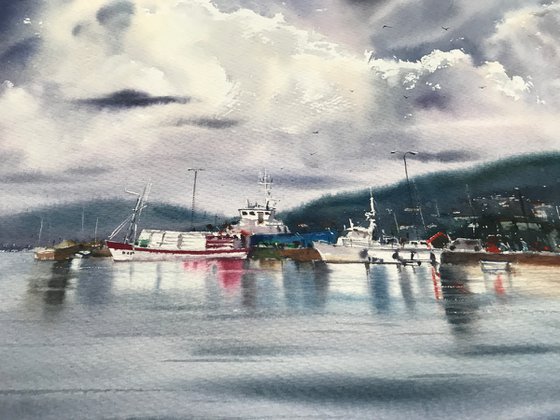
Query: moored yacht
[{"x": 359, "y": 244}]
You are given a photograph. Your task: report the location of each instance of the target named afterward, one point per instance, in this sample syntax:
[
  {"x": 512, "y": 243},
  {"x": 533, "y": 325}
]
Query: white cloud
[{"x": 285, "y": 97}]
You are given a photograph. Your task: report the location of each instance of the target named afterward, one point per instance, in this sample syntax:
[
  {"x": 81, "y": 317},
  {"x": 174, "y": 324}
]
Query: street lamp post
[
  {"x": 195, "y": 170},
  {"x": 410, "y": 152},
  {"x": 522, "y": 205},
  {"x": 390, "y": 211}
]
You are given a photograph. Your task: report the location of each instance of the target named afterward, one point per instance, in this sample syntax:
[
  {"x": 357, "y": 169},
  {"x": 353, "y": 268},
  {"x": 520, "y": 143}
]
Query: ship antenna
[
  {"x": 370, "y": 215},
  {"x": 267, "y": 181}
]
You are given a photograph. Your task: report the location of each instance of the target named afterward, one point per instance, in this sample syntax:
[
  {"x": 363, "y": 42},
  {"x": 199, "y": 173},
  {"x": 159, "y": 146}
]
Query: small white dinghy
[{"x": 493, "y": 266}]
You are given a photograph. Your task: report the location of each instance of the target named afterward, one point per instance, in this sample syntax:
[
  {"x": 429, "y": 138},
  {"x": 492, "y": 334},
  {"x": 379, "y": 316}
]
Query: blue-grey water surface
[{"x": 275, "y": 339}]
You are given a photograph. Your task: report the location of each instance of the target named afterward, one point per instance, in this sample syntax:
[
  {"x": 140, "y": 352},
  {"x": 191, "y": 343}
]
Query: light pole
[
  {"x": 390, "y": 211},
  {"x": 410, "y": 152},
  {"x": 195, "y": 170},
  {"x": 522, "y": 205}
]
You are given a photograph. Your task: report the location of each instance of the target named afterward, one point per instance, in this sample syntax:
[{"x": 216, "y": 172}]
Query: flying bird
[
  {"x": 386, "y": 26},
  {"x": 405, "y": 97},
  {"x": 481, "y": 87},
  {"x": 445, "y": 28},
  {"x": 316, "y": 132}
]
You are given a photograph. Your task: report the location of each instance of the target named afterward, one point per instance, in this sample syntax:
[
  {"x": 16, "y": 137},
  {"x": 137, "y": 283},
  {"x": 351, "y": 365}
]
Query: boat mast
[
  {"x": 370, "y": 215},
  {"x": 267, "y": 181},
  {"x": 83, "y": 219},
  {"x": 40, "y": 232},
  {"x": 195, "y": 170},
  {"x": 137, "y": 211}
]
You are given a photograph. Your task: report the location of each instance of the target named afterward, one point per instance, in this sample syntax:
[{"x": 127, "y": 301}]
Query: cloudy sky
[{"x": 97, "y": 96}]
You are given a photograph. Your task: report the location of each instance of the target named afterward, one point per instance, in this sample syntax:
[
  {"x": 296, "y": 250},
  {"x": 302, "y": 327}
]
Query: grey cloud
[
  {"x": 14, "y": 12},
  {"x": 116, "y": 15},
  {"x": 214, "y": 123},
  {"x": 88, "y": 170},
  {"x": 432, "y": 100},
  {"x": 131, "y": 99},
  {"x": 77, "y": 30},
  {"x": 417, "y": 28},
  {"x": 15, "y": 59},
  {"x": 447, "y": 156},
  {"x": 10, "y": 159},
  {"x": 30, "y": 178}
]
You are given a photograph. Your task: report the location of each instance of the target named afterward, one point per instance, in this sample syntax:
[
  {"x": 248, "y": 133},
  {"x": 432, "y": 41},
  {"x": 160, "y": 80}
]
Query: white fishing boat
[
  {"x": 260, "y": 218},
  {"x": 157, "y": 244},
  {"x": 358, "y": 244}
]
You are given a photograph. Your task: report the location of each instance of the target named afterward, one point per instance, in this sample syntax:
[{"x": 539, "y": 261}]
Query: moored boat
[
  {"x": 268, "y": 235},
  {"x": 65, "y": 250},
  {"x": 155, "y": 244},
  {"x": 359, "y": 244}
]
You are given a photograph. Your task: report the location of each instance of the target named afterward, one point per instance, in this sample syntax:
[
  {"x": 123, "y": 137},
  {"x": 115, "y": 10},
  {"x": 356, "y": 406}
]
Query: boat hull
[
  {"x": 128, "y": 252},
  {"x": 377, "y": 255},
  {"x": 56, "y": 254},
  {"x": 301, "y": 254},
  {"x": 531, "y": 258}
]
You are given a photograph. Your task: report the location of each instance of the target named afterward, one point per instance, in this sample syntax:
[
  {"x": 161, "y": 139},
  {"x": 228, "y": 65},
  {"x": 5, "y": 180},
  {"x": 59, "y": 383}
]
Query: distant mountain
[
  {"x": 65, "y": 221},
  {"x": 446, "y": 193}
]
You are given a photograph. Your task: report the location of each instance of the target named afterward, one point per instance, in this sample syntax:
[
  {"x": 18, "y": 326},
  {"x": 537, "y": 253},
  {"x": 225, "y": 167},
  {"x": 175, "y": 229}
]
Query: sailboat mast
[
  {"x": 195, "y": 170},
  {"x": 83, "y": 219},
  {"x": 40, "y": 233}
]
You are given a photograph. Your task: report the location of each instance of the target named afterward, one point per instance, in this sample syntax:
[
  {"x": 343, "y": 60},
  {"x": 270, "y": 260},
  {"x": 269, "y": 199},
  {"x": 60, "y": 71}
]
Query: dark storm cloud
[
  {"x": 13, "y": 12},
  {"x": 432, "y": 100},
  {"x": 116, "y": 15},
  {"x": 417, "y": 28},
  {"x": 30, "y": 178},
  {"x": 14, "y": 60},
  {"x": 290, "y": 179},
  {"x": 447, "y": 156},
  {"x": 215, "y": 123},
  {"x": 312, "y": 181},
  {"x": 131, "y": 99}
]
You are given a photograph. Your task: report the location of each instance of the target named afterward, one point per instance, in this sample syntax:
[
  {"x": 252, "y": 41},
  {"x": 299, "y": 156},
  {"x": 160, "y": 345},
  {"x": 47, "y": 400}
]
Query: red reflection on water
[
  {"x": 499, "y": 285},
  {"x": 228, "y": 270},
  {"x": 435, "y": 277},
  {"x": 195, "y": 265}
]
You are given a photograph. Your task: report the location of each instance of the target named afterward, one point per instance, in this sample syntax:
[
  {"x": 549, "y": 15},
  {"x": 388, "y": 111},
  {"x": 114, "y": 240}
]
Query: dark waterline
[{"x": 275, "y": 339}]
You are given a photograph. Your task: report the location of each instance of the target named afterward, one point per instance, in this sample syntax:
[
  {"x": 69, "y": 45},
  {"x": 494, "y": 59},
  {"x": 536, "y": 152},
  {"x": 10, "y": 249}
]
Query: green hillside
[
  {"x": 537, "y": 178},
  {"x": 65, "y": 221}
]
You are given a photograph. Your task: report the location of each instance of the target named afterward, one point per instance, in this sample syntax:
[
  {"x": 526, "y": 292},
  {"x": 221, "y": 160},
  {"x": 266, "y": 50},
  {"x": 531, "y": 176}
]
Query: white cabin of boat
[{"x": 257, "y": 218}]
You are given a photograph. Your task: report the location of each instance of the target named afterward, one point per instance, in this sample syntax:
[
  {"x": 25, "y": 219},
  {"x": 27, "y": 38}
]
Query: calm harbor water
[{"x": 275, "y": 339}]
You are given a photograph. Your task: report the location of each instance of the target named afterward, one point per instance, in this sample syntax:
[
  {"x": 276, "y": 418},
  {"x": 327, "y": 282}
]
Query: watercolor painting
[{"x": 279, "y": 209}]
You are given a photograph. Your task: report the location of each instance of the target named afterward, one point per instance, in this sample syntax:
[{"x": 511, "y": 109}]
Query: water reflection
[
  {"x": 498, "y": 283},
  {"x": 50, "y": 282},
  {"x": 406, "y": 287},
  {"x": 379, "y": 288},
  {"x": 306, "y": 286},
  {"x": 94, "y": 281},
  {"x": 460, "y": 302}
]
